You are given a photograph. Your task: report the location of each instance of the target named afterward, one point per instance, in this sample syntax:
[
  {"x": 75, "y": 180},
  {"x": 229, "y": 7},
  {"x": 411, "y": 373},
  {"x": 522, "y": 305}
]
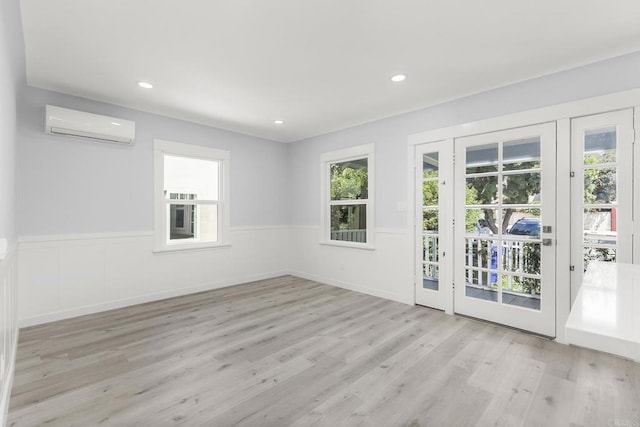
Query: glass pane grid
[{"x": 503, "y": 242}]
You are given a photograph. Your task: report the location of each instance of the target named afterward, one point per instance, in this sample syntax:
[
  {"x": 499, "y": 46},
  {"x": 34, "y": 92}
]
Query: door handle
[{"x": 547, "y": 242}]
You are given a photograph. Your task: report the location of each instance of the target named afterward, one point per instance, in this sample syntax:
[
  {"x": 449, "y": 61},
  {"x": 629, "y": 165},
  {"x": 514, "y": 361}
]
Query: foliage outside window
[
  {"x": 347, "y": 210},
  {"x": 430, "y": 198},
  {"x": 600, "y": 202},
  {"x": 502, "y": 199}
]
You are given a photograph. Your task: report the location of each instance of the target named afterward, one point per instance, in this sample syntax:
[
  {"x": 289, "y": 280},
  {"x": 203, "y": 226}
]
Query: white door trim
[{"x": 584, "y": 107}]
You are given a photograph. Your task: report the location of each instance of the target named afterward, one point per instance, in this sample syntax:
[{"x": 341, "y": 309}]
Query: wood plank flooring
[{"x": 292, "y": 352}]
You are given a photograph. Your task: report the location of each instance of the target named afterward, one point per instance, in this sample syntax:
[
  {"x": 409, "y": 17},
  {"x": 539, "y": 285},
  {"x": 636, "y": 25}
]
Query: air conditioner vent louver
[{"x": 63, "y": 121}]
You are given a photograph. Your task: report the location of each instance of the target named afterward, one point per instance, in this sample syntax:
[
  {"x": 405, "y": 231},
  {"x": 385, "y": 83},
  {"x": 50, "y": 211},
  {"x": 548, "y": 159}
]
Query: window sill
[
  {"x": 190, "y": 248},
  {"x": 343, "y": 244}
]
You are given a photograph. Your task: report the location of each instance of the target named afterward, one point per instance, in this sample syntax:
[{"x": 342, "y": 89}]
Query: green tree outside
[{"x": 348, "y": 183}]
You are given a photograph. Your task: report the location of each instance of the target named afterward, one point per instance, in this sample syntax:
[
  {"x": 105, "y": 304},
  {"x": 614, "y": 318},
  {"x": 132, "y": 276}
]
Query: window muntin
[
  {"x": 348, "y": 207},
  {"x": 191, "y": 195}
]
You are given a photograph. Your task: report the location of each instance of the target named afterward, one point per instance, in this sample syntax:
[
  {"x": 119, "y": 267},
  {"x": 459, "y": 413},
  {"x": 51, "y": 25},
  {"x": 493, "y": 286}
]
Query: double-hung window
[
  {"x": 347, "y": 206},
  {"x": 191, "y": 196}
]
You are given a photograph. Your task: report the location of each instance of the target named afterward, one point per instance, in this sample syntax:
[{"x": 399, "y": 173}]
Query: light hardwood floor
[{"x": 289, "y": 351}]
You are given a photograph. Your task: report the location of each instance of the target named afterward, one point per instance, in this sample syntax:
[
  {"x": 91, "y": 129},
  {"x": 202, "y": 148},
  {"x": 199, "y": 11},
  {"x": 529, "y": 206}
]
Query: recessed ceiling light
[
  {"x": 278, "y": 122},
  {"x": 116, "y": 124},
  {"x": 398, "y": 78},
  {"x": 145, "y": 85}
]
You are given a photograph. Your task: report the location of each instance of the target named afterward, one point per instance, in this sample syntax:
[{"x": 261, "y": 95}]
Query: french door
[
  {"x": 434, "y": 190},
  {"x": 505, "y": 226},
  {"x": 492, "y": 233},
  {"x": 499, "y": 219}
]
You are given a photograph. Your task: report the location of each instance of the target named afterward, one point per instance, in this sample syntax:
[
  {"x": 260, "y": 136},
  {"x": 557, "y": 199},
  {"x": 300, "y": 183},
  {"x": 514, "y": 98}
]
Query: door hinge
[
  {"x": 572, "y": 174},
  {"x": 453, "y": 222},
  {"x": 572, "y": 268}
]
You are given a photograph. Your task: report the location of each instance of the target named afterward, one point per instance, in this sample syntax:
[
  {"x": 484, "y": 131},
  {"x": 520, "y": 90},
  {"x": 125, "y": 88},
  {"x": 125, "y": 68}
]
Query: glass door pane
[
  {"x": 505, "y": 191},
  {"x": 502, "y": 222},
  {"x": 433, "y": 196},
  {"x": 599, "y": 191},
  {"x": 430, "y": 221}
]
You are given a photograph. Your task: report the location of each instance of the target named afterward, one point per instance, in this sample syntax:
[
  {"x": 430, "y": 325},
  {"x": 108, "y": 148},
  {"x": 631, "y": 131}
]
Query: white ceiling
[{"x": 319, "y": 65}]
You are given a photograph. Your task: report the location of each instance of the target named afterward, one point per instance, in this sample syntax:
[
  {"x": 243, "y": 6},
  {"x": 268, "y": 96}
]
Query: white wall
[
  {"x": 86, "y": 214},
  {"x": 365, "y": 270},
  {"x": 11, "y": 81},
  {"x": 68, "y": 185}
]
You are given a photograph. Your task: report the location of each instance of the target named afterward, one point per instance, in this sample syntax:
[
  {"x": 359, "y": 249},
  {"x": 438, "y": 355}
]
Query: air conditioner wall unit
[{"x": 63, "y": 121}]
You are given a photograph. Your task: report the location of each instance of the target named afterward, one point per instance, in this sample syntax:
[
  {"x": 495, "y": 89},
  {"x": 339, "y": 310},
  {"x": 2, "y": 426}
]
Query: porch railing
[
  {"x": 430, "y": 243},
  {"x": 519, "y": 260},
  {"x": 482, "y": 264},
  {"x": 359, "y": 236}
]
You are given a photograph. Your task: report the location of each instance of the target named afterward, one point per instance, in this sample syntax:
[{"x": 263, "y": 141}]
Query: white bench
[{"x": 606, "y": 313}]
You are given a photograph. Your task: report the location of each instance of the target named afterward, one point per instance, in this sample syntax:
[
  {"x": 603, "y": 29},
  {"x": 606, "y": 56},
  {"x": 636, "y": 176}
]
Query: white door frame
[{"x": 561, "y": 114}]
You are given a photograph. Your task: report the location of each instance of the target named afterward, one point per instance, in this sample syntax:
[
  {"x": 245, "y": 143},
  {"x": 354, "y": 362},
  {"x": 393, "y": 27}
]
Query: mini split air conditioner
[{"x": 63, "y": 121}]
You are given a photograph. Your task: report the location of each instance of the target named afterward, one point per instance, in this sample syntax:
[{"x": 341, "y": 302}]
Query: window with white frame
[
  {"x": 347, "y": 207},
  {"x": 191, "y": 195}
]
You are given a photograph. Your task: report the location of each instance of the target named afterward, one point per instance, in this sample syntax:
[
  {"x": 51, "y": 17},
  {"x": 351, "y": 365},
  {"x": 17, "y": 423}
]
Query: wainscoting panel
[
  {"x": 384, "y": 272},
  {"x": 67, "y": 276},
  {"x": 8, "y": 328}
]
